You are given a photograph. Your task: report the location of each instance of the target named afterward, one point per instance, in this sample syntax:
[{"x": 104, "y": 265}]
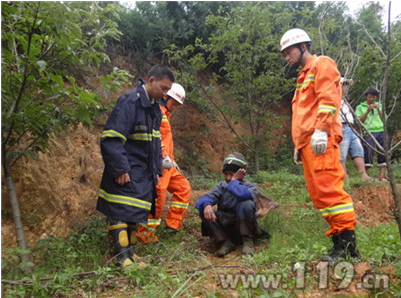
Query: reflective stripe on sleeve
[
  {"x": 322, "y": 108},
  {"x": 113, "y": 134},
  {"x": 156, "y": 133}
]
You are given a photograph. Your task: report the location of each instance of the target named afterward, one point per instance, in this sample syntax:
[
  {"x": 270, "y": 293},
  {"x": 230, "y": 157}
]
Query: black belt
[{"x": 344, "y": 123}]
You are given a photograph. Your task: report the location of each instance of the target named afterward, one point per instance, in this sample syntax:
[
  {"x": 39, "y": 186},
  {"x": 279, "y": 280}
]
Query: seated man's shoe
[
  {"x": 248, "y": 247},
  {"x": 260, "y": 233},
  {"x": 227, "y": 247}
]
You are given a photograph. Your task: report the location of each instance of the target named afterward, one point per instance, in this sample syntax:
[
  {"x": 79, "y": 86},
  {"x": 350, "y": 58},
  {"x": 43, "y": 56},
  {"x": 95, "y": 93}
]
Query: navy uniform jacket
[{"x": 131, "y": 143}]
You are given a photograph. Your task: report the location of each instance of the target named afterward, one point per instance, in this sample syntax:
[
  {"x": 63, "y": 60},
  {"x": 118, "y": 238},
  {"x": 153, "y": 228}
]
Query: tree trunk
[
  {"x": 24, "y": 255},
  {"x": 387, "y": 154},
  {"x": 395, "y": 192},
  {"x": 256, "y": 160}
]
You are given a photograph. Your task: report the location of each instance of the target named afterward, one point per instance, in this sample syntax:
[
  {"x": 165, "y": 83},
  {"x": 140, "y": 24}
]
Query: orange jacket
[
  {"x": 166, "y": 134},
  {"x": 317, "y": 101}
]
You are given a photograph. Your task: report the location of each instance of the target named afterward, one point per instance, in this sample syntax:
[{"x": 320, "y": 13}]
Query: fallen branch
[
  {"x": 217, "y": 266},
  {"x": 27, "y": 282}
]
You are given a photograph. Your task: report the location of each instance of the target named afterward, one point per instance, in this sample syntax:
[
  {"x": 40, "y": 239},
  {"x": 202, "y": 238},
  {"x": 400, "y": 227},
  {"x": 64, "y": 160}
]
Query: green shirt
[{"x": 373, "y": 121}]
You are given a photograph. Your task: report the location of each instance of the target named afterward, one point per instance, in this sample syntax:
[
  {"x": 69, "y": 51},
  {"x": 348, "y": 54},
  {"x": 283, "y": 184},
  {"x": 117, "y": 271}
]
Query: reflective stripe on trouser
[{"x": 324, "y": 177}]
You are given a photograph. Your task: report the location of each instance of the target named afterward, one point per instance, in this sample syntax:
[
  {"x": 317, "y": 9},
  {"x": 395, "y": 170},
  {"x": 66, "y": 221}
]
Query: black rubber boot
[
  {"x": 122, "y": 252},
  {"x": 131, "y": 230},
  {"x": 348, "y": 239},
  {"x": 336, "y": 251},
  {"x": 335, "y": 238},
  {"x": 344, "y": 246}
]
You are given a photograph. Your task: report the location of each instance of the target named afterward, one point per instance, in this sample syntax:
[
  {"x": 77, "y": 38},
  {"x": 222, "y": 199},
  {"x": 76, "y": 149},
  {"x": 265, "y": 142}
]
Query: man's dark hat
[{"x": 234, "y": 162}]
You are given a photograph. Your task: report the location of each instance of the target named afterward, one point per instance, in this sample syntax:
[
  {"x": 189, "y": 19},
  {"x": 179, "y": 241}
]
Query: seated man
[{"x": 234, "y": 221}]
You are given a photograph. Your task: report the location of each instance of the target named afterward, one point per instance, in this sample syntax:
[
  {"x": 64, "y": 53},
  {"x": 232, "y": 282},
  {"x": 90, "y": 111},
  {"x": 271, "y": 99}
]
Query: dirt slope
[{"x": 61, "y": 188}]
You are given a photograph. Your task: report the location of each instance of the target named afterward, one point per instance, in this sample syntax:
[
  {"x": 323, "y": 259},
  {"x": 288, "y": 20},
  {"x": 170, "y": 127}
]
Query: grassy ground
[{"x": 184, "y": 265}]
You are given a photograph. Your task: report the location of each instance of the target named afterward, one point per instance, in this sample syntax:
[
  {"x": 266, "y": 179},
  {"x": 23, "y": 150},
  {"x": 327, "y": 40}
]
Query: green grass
[{"x": 181, "y": 268}]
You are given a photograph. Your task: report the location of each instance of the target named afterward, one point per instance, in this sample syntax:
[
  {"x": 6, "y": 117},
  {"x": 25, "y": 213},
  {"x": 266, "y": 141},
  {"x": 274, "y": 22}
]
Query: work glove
[
  {"x": 319, "y": 142},
  {"x": 167, "y": 163},
  {"x": 297, "y": 157},
  {"x": 176, "y": 166}
]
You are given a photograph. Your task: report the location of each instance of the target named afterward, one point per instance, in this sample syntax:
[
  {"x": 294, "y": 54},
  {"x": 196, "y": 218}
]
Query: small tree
[
  {"x": 44, "y": 44},
  {"x": 243, "y": 56},
  {"x": 387, "y": 59},
  {"x": 378, "y": 63}
]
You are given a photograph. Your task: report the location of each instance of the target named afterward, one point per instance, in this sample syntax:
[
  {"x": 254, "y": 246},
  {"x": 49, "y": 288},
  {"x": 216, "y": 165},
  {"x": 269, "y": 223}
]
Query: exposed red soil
[
  {"x": 373, "y": 204},
  {"x": 61, "y": 188}
]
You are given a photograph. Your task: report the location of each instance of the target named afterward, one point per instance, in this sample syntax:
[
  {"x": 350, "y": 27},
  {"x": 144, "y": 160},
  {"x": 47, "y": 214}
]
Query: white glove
[
  {"x": 176, "y": 166},
  {"x": 319, "y": 142},
  {"x": 167, "y": 163},
  {"x": 297, "y": 157}
]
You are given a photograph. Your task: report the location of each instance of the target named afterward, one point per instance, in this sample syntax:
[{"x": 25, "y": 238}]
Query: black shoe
[
  {"x": 261, "y": 234},
  {"x": 171, "y": 230},
  {"x": 227, "y": 247},
  {"x": 344, "y": 247},
  {"x": 349, "y": 240},
  {"x": 248, "y": 247}
]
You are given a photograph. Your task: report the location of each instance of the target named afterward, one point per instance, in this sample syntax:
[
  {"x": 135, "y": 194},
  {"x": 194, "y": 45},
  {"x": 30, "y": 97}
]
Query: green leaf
[
  {"x": 41, "y": 64},
  {"x": 44, "y": 46}
]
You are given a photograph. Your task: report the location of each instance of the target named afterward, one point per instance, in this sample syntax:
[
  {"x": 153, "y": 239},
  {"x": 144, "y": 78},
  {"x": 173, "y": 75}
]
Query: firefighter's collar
[
  {"x": 308, "y": 63},
  {"x": 145, "y": 100}
]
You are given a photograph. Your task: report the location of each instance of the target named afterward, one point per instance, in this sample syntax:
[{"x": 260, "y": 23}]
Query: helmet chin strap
[
  {"x": 168, "y": 98},
  {"x": 298, "y": 63}
]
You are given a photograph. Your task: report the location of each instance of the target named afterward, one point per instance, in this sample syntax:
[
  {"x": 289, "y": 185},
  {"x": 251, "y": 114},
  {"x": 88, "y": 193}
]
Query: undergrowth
[{"x": 81, "y": 265}]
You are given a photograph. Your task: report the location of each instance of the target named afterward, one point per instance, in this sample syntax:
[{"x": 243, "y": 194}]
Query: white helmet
[
  {"x": 292, "y": 37},
  {"x": 344, "y": 81},
  {"x": 177, "y": 92}
]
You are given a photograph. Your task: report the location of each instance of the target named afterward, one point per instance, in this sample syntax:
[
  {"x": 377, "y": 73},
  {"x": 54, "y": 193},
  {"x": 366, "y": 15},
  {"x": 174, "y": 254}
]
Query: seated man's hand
[
  {"x": 262, "y": 212},
  {"x": 208, "y": 213},
  {"x": 239, "y": 175}
]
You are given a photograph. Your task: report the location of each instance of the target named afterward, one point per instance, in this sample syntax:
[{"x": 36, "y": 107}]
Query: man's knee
[{"x": 246, "y": 209}]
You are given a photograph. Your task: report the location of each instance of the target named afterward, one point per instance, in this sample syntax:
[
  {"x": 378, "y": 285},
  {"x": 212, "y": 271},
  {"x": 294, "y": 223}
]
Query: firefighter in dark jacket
[
  {"x": 131, "y": 151},
  {"x": 234, "y": 221}
]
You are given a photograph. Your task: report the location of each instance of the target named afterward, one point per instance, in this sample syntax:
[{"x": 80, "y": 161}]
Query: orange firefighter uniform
[
  {"x": 172, "y": 181},
  {"x": 316, "y": 105}
]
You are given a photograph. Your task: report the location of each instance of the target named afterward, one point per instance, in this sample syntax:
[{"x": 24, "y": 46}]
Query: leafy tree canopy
[{"x": 45, "y": 45}]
